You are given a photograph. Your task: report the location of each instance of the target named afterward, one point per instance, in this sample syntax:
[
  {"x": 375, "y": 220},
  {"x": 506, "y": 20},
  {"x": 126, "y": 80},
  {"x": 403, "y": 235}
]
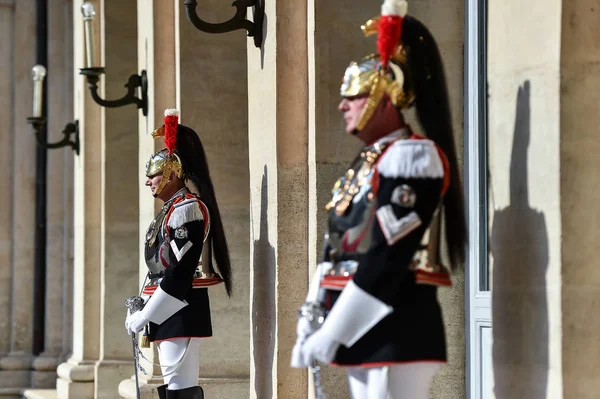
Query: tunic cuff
[
  {"x": 354, "y": 314},
  {"x": 161, "y": 306}
]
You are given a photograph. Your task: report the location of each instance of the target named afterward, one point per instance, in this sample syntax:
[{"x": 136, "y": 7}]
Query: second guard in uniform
[{"x": 372, "y": 305}]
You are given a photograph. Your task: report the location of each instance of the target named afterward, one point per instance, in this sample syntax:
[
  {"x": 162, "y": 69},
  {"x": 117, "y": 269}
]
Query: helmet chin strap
[{"x": 172, "y": 165}]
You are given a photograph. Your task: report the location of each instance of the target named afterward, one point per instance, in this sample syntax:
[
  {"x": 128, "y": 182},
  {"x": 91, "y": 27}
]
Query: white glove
[
  {"x": 297, "y": 361},
  {"x": 134, "y": 323},
  {"x": 319, "y": 346},
  {"x": 303, "y": 328}
]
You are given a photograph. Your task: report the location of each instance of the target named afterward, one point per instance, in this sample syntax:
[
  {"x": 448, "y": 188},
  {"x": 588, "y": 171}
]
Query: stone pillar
[
  {"x": 76, "y": 376},
  {"x": 579, "y": 118},
  {"x": 157, "y": 40},
  {"x": 15, "y": 366},
  {"x": 106, "y": 229},
  {"x": 7, "y": 104},
  {"x": 214, "y": 93},
  {"x": 119, "y": 276},
  {"x": 60, "y": 198},
  {"x": 278, "y": 158}
]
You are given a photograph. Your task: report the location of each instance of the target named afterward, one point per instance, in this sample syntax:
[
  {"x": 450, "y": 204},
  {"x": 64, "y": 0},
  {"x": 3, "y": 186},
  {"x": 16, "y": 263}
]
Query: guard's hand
[
  {"x": 297, "y": 361},
  {"x": 303, "y": 328},
  {"x": 134, "y": 323},
  {"x": 319, "y": 346}
]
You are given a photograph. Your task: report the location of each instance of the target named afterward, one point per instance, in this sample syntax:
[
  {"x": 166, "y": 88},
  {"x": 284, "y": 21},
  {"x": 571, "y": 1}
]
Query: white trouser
[
  {"x": 402, "y": 381},
  {"x": 180, "y": 362}
]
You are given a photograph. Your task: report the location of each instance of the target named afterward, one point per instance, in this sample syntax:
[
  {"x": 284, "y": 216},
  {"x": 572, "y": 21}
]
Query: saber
[
  {"x": 316, "y": 372},
  {"x": 315, "y": 313},
  {"x": 135, "y": 365},
  {"x": 135, "y": 304}
]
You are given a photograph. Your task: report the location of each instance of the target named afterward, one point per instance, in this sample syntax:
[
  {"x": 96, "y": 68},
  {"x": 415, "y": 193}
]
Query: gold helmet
[
  {"x": 166, "y": 161},
  {"x": 384, "y": 73}
]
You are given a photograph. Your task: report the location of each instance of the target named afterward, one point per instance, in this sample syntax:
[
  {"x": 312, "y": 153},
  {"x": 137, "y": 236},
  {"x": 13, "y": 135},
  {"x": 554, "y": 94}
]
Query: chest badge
[
  {"x": 181, "y": 233},
  {"x": 404, "y": 196}
]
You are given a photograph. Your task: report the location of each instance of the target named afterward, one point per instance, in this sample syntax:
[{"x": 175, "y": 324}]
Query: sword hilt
[{"x": 134, "y": 303}]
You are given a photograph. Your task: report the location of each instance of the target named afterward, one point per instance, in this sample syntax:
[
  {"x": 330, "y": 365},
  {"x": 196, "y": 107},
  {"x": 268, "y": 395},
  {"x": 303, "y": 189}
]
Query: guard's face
[
  {"x": 153, "y": 182},
  {"x": 352, "y": 108}
]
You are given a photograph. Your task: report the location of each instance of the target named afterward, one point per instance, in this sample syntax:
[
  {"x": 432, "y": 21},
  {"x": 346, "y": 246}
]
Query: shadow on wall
[
  {"x": 263, "y": 302},
  {"x": 261, "y": 4},
  {"x": 519, "y": 244}
]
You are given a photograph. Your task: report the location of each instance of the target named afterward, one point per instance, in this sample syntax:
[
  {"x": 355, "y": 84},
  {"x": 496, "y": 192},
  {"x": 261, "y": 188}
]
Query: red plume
[
  {"x": 390, "y": 29},
  {"x": 171, "y": 122}
]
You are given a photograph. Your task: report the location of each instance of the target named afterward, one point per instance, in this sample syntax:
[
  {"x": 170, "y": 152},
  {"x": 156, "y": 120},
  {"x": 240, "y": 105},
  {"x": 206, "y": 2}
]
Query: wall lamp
[
  {"x": 238, "y": 21},
  {"x": 39, "y": 122},
  {"x": 93, "y": 72}
]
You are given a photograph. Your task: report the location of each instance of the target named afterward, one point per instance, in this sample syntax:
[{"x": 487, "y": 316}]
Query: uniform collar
[
  {"x": 179, "y": 193},
  {"x": 398, "y": 134}
]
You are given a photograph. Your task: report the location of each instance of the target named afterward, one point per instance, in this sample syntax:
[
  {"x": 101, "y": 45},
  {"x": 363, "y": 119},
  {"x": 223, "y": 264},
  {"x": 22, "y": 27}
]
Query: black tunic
[
  {"x": 194, "y": 320},
  {"x": 414, "y": 331}
]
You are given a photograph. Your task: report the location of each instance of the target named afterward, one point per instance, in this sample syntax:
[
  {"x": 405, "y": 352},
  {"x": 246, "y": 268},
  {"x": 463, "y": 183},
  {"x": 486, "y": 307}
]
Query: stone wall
[
  {"x": 524, "y": 197},
  {"x": 579, "y": 119}
]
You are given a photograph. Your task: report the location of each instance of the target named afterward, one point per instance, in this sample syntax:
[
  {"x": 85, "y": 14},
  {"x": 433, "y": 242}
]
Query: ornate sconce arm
[
  {"x": 238, "y": 21},
  {"x": 135, "y": 81},
  {"x": 72, "y": 128}
]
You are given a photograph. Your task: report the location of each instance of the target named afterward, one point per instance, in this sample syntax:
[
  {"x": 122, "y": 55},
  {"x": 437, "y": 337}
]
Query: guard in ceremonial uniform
[
  {"x": 372, "y": 305},
  {"x": 181, "y": 243}
]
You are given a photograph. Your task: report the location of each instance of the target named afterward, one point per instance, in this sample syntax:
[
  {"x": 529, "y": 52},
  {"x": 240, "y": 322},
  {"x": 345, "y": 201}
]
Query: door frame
[{"x": 478, "y": 311}]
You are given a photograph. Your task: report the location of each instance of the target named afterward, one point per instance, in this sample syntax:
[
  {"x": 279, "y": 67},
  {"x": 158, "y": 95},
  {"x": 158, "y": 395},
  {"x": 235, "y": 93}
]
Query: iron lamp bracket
[
  {"x": 72, "y": 128},
  {"x": 238, "y": 21},
  {"x": 135, "y": 81}
]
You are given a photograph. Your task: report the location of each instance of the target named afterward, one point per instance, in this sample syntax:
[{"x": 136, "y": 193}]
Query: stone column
[
  {"x": 579, "y": 118},
  {"x": 76, "y": 376},
  {"x": 7, "y": 44},
  {"x": 214, "y": 93},
  {"x": 60, "y": 197},
  {"x": 106, "y": 229},
  {"x": 15, "y": 366},
  {"x": 278, "y": 158},
  {"x": 119, "y": 276},
  {"x": 158, "y": 49}
]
